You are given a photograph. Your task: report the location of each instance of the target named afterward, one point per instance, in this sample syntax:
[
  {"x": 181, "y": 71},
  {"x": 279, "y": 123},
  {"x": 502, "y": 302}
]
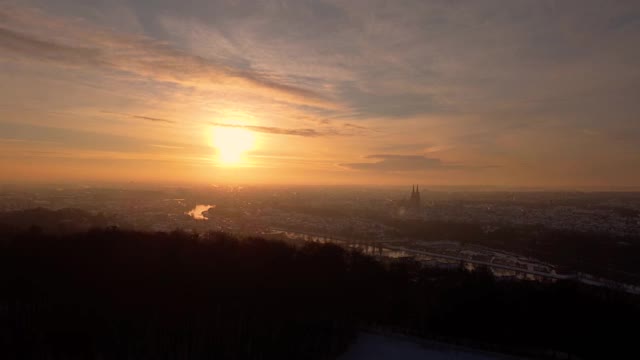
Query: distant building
[{"x": 414, "y": 200}]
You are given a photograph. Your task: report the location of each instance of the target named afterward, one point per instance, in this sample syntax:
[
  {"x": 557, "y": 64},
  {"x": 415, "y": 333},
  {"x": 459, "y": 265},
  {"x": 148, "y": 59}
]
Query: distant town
[
  {"x": 440, "y": 228},
  {"x": 250, "y": 209}
]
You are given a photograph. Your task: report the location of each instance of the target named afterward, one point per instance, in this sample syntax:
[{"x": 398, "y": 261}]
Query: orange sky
[{"x": 321, "y": 92}]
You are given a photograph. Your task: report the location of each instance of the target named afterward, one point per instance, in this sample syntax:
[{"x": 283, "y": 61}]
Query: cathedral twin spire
[{"x": 414, "y": 201}]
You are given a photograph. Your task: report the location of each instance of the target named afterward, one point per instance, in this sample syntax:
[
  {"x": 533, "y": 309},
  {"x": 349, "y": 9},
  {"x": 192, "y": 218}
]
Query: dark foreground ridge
[{"x": 112, "y": 294}]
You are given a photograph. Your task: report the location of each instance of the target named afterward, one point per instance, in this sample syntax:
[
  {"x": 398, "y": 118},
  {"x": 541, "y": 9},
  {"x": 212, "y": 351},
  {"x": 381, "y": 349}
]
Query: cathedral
[{"x": 414, "y": 200}]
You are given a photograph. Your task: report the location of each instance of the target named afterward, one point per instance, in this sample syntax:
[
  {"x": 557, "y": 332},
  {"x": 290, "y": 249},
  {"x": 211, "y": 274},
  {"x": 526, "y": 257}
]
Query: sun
[{"x": 232, "y": 143}]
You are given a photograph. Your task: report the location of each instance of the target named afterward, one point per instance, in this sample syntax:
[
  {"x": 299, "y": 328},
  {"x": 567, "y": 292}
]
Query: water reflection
[{"x": 198, "y": 211}]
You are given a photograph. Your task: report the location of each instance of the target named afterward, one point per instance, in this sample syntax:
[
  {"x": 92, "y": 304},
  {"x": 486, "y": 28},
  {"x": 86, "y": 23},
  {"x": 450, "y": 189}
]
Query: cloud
[
  {"x": 141, "y": 56},
  {"x": 153, "y": 119},
  {"x": 409, "y": 163},
  {"x": 149, "y": 118},
  {"x": 417, "y": 147},
  {"x": 279, "y": 131},
  {"x": 392, "y": 163},
  {"x": 304, "y": 132},
  {"x": 355, "y": 127},
  {"x": 71, "y": 138},
  {"x": 26, "y": 45},
  {"x": 473, "y": 78},
  {"x": 171, "y": 147},
  {"x": 401, "y": 104}
]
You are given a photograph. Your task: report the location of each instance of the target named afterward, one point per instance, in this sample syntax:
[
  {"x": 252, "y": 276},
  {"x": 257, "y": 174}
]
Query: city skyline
[{"x": 492, "y": 93}]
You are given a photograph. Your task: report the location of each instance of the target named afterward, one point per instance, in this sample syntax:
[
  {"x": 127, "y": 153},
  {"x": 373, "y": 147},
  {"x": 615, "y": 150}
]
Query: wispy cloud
[
  {"x": 388, "y": 162},
  {"x": 355, "y": 127},
  {"x": 304, "y": 132},
  {"x": 167, "y": 146},
  {"x": 27, "y": 141},
  {"x": 144, "y": 57},
  {"x": 19, "y": 43},
  {"x": 149, "y": 118},
  {"x": 410, "y": 163},
  {"x": 279, "y": 131}
]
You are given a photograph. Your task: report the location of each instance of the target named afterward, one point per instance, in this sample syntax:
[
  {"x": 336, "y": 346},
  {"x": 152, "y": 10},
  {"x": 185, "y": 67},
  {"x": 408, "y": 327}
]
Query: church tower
[{"x": 414, "y": 200}]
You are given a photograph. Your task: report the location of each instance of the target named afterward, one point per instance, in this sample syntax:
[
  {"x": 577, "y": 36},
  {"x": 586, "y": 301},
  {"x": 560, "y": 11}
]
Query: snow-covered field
[{"x": 378, "y": 347}]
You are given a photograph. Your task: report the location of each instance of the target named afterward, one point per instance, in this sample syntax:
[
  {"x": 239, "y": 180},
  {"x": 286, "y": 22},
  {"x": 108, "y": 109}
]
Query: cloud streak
[
  {"x": 393, "y": 163},
  {"x": 279, "y": 131},
  {"x": 149, "y": 118},
  {"x": 409, "y": 163},
  {"x": 29, "y": 46},
  {"x": 303, "y": 132}
]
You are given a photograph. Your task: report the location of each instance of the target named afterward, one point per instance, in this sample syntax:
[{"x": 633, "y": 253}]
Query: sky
[{"x": 500, "y": 93}]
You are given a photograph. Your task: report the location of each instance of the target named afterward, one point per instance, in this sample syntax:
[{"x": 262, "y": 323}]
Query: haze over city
[{"x": 498, "y": 93}]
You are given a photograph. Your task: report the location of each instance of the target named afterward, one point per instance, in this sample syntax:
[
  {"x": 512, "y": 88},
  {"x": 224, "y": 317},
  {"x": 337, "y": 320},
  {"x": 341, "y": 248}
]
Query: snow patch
[{"x": 378, "y": 347}]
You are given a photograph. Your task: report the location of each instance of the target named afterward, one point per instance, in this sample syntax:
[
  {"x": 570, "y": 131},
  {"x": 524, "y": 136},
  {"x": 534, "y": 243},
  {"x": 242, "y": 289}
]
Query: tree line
[{"x": 115, "y": 294}]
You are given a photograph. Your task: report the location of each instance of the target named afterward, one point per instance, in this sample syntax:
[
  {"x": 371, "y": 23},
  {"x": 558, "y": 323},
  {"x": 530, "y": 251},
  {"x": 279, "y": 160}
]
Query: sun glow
[{"x": 232, "y": 144}]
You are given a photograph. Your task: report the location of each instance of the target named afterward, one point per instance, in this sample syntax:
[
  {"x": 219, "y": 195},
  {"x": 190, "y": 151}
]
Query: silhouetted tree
[{"x": 116, "y": 294}]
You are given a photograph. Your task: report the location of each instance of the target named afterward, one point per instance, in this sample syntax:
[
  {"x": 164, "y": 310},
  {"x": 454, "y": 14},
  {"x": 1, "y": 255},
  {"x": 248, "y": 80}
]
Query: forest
[{"x": 115, "y": 294}]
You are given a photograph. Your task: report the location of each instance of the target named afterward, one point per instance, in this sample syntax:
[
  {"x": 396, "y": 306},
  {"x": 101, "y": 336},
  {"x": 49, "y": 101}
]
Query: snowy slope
[{"x": 378, "y": 347}]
